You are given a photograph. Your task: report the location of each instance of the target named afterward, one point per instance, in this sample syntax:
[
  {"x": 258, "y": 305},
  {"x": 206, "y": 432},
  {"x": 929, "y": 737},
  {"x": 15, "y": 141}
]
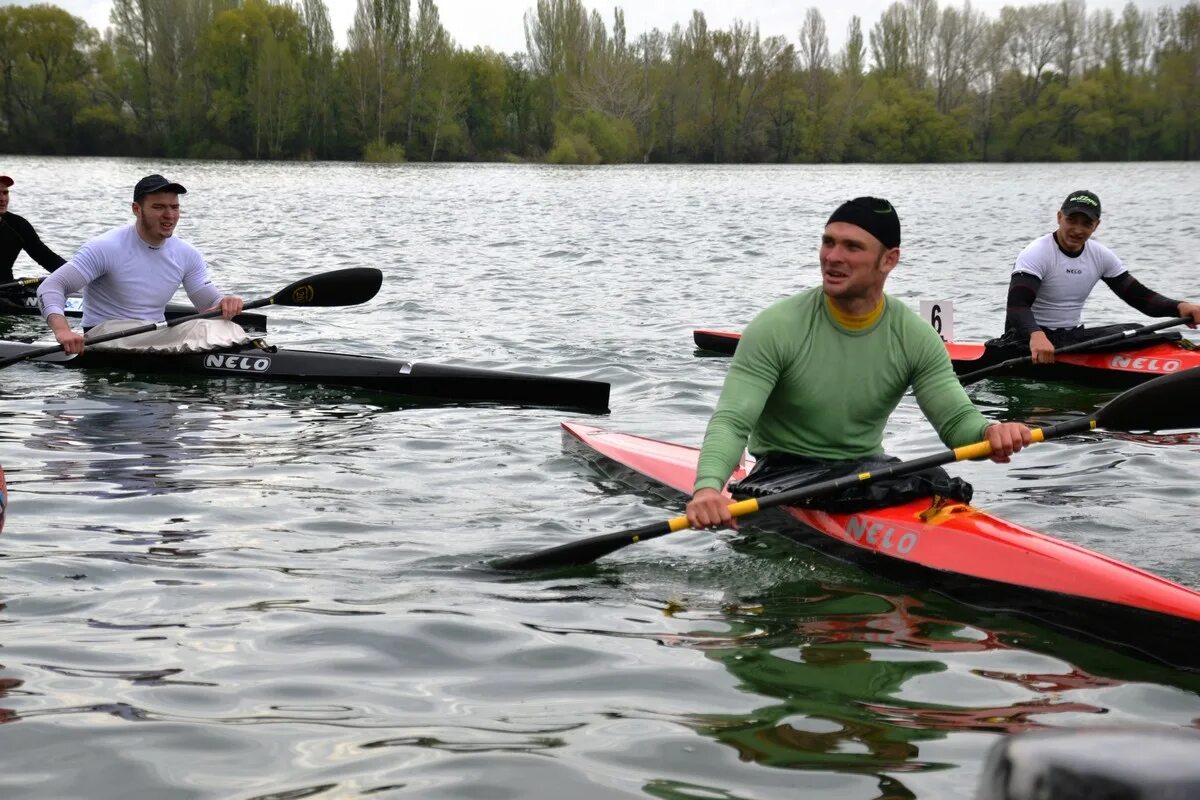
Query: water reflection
[
  {"x": 854, "y": 680},
  {"x": 132, "y": 442},
  {"x": 9, "y": 686},
  {"x": 136, "y": 439},
  {"x": 862, "y": 681}
]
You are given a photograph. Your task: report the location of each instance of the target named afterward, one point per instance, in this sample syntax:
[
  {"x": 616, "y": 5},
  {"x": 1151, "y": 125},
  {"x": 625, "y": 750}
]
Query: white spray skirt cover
[{"x": 193, "y": 336}]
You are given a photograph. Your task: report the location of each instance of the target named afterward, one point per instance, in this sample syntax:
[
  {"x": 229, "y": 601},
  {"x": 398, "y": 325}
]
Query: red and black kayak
[
  {"x": 1116, "y": 368},
  {"x": 964, "y": 552}
]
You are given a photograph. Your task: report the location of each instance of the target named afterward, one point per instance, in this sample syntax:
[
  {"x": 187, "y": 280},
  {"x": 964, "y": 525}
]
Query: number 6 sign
[{"x": 940, "y": 314}]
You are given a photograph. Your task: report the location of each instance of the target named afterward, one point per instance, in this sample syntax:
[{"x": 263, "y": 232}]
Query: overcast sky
[{"x": 498, "y": 23}]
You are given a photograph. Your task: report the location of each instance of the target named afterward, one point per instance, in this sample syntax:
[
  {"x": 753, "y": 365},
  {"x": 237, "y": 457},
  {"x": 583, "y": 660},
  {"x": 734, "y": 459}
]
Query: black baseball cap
[
  {"x": 156, "y": 183},
  {"x": 1082, "y": 202},
  {"x": 5, "y": 180}
]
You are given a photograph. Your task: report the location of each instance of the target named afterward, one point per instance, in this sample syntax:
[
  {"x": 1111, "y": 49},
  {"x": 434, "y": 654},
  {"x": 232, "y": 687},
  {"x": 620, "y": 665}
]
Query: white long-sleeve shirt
[{"x": 123, "y": 277}]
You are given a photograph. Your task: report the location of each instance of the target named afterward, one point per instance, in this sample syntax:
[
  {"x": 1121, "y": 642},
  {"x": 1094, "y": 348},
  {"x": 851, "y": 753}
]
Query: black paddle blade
[
  {"x": 584, "y": 551},
  {"x": 1165, "y": 403},
  {"x": 341, "y": 287}
]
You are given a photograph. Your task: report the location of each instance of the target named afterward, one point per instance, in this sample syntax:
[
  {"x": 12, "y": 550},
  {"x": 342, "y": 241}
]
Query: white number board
[{"x": 940, "y": 314}]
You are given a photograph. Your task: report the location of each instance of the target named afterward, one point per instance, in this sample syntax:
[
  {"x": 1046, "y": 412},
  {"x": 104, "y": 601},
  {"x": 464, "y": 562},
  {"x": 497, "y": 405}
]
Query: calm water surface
[{"x": 228, "y": 590}]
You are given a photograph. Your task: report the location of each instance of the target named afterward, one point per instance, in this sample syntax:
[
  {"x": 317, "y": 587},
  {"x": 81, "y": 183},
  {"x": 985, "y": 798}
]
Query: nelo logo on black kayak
[
  {"x": 237, "y": 363},
  {"x": 880, "y": 536}
]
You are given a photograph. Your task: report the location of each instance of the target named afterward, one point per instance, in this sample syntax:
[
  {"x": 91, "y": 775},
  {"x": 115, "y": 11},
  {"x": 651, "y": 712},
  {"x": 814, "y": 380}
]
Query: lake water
[{"x": 231, "y": 590}]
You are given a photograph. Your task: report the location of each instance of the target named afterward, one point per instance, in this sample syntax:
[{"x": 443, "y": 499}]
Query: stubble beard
[
  {"x": 153, "y": 233},
  {"x": 862, "y": 292}
]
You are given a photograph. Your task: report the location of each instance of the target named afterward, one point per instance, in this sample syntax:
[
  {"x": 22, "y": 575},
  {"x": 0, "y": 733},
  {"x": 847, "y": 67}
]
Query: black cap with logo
[
  {"x": 1082, "y": 202},
  {"x": 155, "y": 183},
  {"x": 874, "y": 215}
]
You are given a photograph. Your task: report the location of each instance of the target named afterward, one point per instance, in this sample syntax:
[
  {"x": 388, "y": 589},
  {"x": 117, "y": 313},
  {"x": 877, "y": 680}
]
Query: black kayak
[
  {"x": 429, "y": 382},
  {"x": 22, "y": 301}
]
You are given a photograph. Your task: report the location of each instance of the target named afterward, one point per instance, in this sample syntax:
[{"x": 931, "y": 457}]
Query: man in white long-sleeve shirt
[{"x": 131, "y": 273}]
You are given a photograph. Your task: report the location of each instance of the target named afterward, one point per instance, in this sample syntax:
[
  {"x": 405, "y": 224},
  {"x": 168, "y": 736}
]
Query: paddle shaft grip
[{"x": 22, "y": 282}]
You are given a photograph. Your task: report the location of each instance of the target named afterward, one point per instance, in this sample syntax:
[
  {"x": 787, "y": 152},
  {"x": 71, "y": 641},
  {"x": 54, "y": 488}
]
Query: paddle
[
  {"x": 1163, "y": 403},
  {"x": 971, "y": 377},
  {"x": 341, "y": 287},
  {"x": 22, "y": 282}
]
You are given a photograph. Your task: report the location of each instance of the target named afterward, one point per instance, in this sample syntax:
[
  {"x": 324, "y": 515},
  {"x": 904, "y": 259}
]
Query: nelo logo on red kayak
[
  {"x": 237, "y": 363},
  {"x": 880, "y": 536},
  {"x": 1145, "y": 364}
]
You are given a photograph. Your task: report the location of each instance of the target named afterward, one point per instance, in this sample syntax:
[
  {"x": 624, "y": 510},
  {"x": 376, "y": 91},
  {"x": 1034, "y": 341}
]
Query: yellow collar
[{"x": 855, "y": 322}]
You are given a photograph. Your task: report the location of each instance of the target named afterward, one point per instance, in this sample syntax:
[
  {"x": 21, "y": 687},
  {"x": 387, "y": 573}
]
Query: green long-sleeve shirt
[{"x": 802, "y": 383}]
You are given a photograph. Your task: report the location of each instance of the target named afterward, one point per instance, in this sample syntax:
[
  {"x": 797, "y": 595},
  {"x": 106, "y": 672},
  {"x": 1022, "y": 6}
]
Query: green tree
[
  {"x": 484, "y": 103},
  {"x": 904, "y": 125},
  {"x": 379, "y": 43},
  {"x": 427, "y": 49},
  {"x": 889, "y": 43},
  {"x": 45, "y": 58},
  {"x": 1180, "y": 83},
  {"x": 318, "y": 70}
]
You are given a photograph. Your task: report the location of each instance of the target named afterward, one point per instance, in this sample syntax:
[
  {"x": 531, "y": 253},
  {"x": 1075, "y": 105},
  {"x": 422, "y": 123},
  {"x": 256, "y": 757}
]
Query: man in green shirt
[{"x": 817, "y": 375}]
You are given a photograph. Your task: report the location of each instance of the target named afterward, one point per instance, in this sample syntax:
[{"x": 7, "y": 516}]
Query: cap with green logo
[
  {"x": 1082, "y": 202},
  {"x": 874, "y": 215}
]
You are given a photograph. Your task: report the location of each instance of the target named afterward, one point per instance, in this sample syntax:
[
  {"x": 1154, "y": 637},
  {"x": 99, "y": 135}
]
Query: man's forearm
[
  {"x": 58, "y": 323},
  {"x": 1144, "y": 299}
]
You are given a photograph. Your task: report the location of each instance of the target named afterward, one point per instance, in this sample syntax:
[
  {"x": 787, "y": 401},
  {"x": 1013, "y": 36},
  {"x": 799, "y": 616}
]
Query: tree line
[{"x": 265, "y": 79}]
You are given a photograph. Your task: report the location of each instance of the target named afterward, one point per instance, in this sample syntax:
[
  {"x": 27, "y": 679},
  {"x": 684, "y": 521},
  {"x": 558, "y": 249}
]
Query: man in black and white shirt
[{"x": 1054, "y": 275}]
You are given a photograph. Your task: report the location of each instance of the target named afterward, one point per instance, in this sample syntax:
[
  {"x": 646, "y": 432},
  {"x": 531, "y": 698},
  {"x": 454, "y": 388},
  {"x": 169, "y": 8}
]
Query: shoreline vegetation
[{"x": 263, "y": 79}]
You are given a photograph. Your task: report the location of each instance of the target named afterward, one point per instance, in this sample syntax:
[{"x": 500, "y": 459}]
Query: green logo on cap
[{"x": 1083, "y": 198}]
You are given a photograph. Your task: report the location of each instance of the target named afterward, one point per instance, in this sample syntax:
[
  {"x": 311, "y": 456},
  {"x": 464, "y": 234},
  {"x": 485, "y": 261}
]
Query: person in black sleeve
[{"x": 16, "y": 234}]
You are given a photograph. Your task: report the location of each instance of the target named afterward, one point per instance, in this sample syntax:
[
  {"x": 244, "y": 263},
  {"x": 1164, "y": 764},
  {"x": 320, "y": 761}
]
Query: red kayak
[
  {"x": 968, "y": 554},
  {"x": 1118, "y": 369}
]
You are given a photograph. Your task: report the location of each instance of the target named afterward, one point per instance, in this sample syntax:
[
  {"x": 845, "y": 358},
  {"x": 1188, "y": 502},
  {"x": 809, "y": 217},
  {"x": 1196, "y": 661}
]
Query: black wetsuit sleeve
[
  {"x": 1147, "y": 301},
  {"x": 33, "y": 245},
  {"x": 1022, "y": 291}
]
